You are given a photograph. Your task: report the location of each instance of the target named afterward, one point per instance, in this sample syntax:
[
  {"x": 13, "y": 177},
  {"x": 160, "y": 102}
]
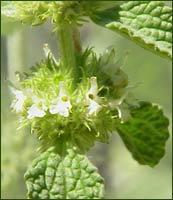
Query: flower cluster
[
  {"x": 51, "y": 103},
  {"x": 61, "y": 105},
  {"x": 38, "y": 12}
]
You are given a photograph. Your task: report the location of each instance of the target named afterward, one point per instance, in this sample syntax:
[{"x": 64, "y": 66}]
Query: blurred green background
[{"x": 21, "y": 48}]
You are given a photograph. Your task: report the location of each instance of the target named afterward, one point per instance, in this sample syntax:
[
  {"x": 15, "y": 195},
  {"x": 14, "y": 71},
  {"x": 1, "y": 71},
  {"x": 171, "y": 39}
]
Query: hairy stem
[{"x": 70, "y": 48}]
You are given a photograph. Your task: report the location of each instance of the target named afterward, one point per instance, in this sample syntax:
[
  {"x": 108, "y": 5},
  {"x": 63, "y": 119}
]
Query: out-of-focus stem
[{"x": 15, "y": 54}]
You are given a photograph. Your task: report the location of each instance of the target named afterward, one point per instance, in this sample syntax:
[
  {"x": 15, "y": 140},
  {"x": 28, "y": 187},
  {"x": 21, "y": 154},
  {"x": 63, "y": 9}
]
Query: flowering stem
[
  {"x": 70, "y": 47},
  {"x": 70, "y": 51}
]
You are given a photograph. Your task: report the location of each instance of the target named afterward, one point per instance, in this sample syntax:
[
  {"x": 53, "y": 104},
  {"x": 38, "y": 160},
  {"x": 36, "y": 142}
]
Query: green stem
[
  {"x": 70, "y": 51},
  {"x": 70, "y": 48}
]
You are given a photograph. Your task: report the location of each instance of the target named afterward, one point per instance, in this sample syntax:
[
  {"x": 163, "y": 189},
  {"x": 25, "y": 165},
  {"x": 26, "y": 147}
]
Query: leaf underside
[
  {"x": 147, "y": 23},
  {"x": 145, "y": 134},
  {"x": 71, "y": 176}
]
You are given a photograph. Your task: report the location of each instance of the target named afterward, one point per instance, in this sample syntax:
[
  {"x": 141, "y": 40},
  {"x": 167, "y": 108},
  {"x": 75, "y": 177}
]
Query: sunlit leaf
[{"x": 147, "y": 23}]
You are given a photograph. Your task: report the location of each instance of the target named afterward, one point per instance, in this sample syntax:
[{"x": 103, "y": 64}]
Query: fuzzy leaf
[
  {"x": 145, "y": 134},
  {"x": 71, "y": 176},
  {"x": 147, "y": 23}
]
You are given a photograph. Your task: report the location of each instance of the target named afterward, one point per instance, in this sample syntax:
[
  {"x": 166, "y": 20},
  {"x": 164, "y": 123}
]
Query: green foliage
[
  {"x": 82, "y": 98},
  {"x": 145, "y": 133},
  {"x": 147, "y": 23},
  {"x": 67, "y": 176}
]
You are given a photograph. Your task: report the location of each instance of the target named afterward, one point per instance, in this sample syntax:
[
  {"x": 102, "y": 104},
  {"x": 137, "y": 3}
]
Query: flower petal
[
  {"x": 123, "y": 112},
  {"x": 62, "y": 105},
  {"x": 18, "y": 102},
  {"x": 93, "y": 89},
  {"x": 35, "y": 111},
  {"x": 92, "y": 98},
  {"x": 48, "y": 53},
  {"x": 93, "y": 108},
  {"x": 61, "y": 108}
]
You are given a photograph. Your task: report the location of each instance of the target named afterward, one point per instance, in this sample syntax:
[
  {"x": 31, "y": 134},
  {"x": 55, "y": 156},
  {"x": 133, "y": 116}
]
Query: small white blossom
[
  {"x": 38, "y": 108},
  {"x": 48, "y": 53},
  {"x": 123, "y": 110},
  {"x": 62, "y": 104},
  {"x": 18, "y": 102},
  {"x": 94, "y": 107},
  {"x": 35, "y": 111},
  {"x": 92, "y": 99},
  {"x": 39, "y": 101},
  {"x": 94, "y": 87}
]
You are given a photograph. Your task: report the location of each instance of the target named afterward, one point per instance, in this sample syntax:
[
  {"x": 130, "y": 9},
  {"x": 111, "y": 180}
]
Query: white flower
[
  {"x": 94, "y": 107},
  {"x": 39, "y": 101},
  {"x": 19, "y": 100},
  {"x": 49, "y": 54},
  {"x": 62, "y": 104},
  {"x": 35, "y": 111},
  {"x": 93, "y": 91},
  {"x": 123, "y": 112},
  {"x": 38, "y": 108},
  {"x": 122, "y": 108},
  {"x": 92, "y": 98}
]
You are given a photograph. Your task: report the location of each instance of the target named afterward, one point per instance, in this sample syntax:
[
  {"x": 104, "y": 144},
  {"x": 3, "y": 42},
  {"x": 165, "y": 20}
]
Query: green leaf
[
  {"x": 70, "y": 176},
  {"x": 145, "y": 134},
  {"x": 147, "y": 23}
]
